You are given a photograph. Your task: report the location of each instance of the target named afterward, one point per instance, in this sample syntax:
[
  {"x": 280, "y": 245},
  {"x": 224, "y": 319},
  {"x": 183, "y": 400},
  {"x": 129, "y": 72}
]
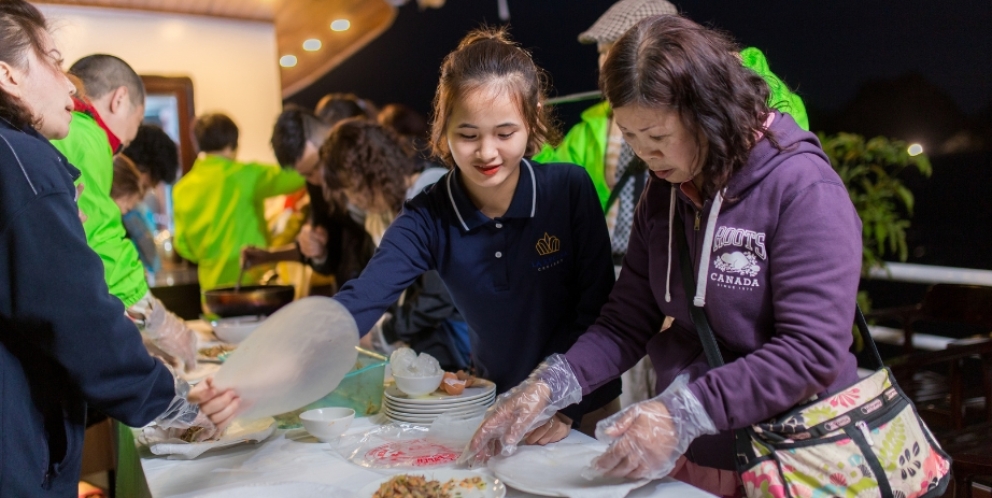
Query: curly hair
[
  {"x": 671, "y": 62},
  {"x": 21, "y": 28},
  {"x": 487, "y": 57},
  {"x": 366, "y": 158},
  {"x": 153, "y": 152}
]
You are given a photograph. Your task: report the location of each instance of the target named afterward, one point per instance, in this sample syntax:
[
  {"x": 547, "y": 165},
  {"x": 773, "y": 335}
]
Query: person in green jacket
[
  {"x": 596, "y": 144},
  {"x": 108, "y": 110},
  {"x": 219, "y": 205}
]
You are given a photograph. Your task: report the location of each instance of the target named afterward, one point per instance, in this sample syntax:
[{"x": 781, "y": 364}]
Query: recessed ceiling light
[
  {"x": 340, "y": 24},
  {"x": 287, "y": 61},
  {"x": 311, "y": 45}
]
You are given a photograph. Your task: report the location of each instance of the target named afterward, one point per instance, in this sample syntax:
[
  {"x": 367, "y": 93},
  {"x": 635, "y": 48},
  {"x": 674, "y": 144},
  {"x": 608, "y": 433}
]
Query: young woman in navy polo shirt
[{"x": 522, "y": 247}]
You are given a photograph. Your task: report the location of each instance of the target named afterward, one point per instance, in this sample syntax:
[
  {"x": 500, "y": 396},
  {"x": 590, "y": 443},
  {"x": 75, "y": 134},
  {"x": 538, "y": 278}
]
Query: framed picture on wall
[{"x": 169, "y": 105}]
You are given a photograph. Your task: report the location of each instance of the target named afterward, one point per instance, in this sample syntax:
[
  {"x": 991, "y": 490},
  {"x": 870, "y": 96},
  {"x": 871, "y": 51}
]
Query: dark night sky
[{"x": 824, "y": 49}]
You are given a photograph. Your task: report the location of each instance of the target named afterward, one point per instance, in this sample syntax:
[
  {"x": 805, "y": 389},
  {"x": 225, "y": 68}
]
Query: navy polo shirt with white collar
[{"x": 528, "y": 282}]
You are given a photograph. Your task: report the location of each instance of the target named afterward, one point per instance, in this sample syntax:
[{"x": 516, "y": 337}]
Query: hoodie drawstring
[
  {"x": 700, "y": 299},
  {"x": 671, "y": 220}
]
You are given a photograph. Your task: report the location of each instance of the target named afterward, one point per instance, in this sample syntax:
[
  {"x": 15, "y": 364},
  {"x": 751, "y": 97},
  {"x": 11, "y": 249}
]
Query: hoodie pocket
[{"x": 61, "y": 441}]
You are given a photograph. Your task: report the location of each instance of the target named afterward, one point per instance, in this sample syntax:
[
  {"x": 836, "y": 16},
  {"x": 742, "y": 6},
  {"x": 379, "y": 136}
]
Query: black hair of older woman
[
  {"x": 21, "y": 28},
  {"x": 673, "y": 63},
  {"x": 365, "y": 157}
]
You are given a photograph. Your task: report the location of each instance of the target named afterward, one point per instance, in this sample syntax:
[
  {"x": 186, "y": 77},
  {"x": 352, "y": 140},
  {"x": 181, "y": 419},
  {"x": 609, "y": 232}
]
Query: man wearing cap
[{"x": 597, "y": 144}]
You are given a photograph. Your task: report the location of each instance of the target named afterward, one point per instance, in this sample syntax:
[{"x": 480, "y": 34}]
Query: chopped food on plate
[
  {"x": 216, "y": 351},
  {"x": 417, "y": 486}
]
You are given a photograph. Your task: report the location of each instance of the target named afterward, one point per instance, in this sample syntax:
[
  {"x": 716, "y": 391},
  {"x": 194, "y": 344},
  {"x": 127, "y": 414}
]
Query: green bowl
[{"x": 360, "y": 390}]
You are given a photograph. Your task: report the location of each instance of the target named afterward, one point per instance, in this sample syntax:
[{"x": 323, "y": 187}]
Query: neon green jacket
[
  {"x": 219, "y": 209},
  {"x": 585, "y": 143},
  {"x": 88, "y": 149}
]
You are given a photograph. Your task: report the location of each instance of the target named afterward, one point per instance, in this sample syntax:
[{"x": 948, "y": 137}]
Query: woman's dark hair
[
  {"x": 365, "y": 157},
  {"x": 127, "y": 178},
  {"x": 215, "y": 132},
  {"x": 153, "y": 152},
  {"x": 21, "y": 28},
  {"x": 487, "y": 58},
  {"x": 334, "y": 107},
  {"x": 673, "y": 63},
  {"x": 404, "y": 120}
]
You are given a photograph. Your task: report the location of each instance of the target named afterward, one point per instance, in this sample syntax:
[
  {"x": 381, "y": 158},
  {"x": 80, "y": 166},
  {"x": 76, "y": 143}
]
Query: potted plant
[{"x": 870, "y": 169}]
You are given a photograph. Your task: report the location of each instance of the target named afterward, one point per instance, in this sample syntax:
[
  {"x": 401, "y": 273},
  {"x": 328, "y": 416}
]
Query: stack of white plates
[{"x": 399, "y": 407}]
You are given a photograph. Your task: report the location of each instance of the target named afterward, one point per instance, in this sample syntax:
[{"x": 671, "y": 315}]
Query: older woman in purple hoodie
[{"x": 775, "y": 245}]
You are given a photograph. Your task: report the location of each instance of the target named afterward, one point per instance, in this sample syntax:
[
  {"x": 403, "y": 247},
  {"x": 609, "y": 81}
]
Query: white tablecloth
[{"x": 290, "y": 456}]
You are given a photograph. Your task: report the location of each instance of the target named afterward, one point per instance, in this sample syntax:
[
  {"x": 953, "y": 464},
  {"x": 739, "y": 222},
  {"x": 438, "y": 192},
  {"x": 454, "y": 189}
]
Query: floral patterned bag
[{"x": 864, "y": 441}]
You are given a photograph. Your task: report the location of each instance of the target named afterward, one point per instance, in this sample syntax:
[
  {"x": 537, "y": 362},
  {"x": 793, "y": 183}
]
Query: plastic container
[{"x": 361, "y": 390}]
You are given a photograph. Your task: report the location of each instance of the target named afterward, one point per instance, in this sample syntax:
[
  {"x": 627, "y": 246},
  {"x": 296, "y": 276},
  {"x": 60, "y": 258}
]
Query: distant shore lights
[
  {"x": 340, "y": 25},
  {"x": 915, "y": 149}
]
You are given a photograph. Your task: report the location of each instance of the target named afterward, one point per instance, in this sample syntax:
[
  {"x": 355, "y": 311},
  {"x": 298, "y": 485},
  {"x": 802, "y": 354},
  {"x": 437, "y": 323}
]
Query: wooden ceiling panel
[
  {"x": 252, "y": 10},
  {"x": 300, "y": 20},
  {"x": 295, "y": 21}
]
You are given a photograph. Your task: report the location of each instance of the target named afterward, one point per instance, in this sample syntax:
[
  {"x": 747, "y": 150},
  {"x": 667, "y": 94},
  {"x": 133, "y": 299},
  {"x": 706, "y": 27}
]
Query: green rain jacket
[
  {"x": 585, "y": 143},
  {"x": 219, "y": 209},
  {"x": 87, "y": 147}
]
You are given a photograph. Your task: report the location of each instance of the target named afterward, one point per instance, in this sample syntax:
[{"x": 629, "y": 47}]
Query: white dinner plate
[
  {"x": 493, "y": 488},
  {"x": 456, "y": 412},
  {"x": 436, "y": 397},
  {"x": 434, "y": 409},
  {"x": 427, "y": 418},
  {"x": 556, "y": 470}
]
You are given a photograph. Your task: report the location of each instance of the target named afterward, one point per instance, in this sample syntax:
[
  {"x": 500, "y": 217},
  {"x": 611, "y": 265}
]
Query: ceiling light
[
  {"x": 915, "y": 149},
  {"x": 311, "y": 45},
  {"x": 287, "y": 61},
  {"x": 340, "y": 24}
]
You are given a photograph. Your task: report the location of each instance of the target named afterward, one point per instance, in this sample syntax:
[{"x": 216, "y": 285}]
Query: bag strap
[
  {"x": 706, "y": 336},
  {"x": 742, "y": 437},
  {"x": 635, "y": 167}
]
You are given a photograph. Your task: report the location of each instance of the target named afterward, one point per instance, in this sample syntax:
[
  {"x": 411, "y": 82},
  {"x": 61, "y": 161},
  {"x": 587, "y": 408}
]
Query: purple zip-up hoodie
[{"x": 777, "y": 260}]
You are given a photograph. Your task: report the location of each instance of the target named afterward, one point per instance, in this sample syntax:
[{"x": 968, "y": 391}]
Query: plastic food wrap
[
  {"x": 405, "y": 362},
  {"x": 298, "y": 355},
  {"x": 402, "y": 446}
]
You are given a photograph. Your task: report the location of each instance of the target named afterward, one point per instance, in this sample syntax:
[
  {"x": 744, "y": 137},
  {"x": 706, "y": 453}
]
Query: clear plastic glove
[
  {"x": 182, "y": 414},
  {"x": 549, "y": 388},
  {"x": 220, "y": 406},
  {"x": 647, "y": 438},
  {"x": 165, "y": 330}
]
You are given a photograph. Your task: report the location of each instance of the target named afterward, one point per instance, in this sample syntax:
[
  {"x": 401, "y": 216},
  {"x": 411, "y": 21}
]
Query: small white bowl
[
  {"x": 236, "y": 329},
  {"x": 327, "y": 424},
  {"x": 418, "y": 386}
]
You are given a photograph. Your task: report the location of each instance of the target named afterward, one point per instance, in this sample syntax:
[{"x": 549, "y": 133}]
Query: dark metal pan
[{"x": 249, "y": 300}]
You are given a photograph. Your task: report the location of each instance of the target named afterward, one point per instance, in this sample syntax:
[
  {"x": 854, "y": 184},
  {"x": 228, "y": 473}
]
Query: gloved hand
[
  {"x": 181, "y": 414},
  {"x": 549, "y": 388},
  {"x": 647, "y": 438},
  {"x": 165, "y": 330}
]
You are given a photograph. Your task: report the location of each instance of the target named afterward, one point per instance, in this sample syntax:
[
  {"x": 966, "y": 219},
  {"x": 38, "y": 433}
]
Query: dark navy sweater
[
  {"x": 529, "y": 283},
  {"x": 64, "y": 340}
]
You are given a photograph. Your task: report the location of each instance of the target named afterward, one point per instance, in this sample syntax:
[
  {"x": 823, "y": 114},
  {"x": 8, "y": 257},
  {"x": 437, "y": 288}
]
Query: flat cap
[{"x": 622, "y": 16}]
